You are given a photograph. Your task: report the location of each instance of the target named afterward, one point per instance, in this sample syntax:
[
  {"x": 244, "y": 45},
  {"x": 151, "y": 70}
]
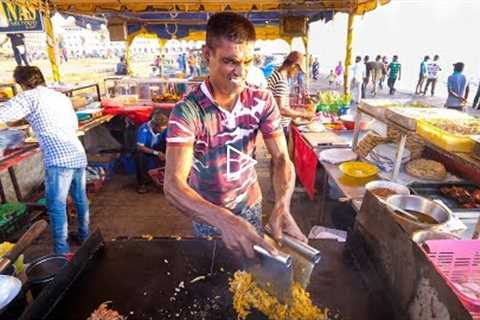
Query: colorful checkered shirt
[
  {"x": 54, "y": 122},
  {"x": 199, "y": 121}
]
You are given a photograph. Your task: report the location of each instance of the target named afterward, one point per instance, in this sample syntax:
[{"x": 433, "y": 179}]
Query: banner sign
[{"x": 18, "y": 19}]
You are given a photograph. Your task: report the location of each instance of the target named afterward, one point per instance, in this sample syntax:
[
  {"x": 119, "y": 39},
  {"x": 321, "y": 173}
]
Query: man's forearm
[
  {"x": 283, "y": 180},
  {"x": 194, "y": 206}
]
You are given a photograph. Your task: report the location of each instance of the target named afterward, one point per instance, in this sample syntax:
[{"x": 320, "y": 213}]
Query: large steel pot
[{"x": 413, "y": 204}]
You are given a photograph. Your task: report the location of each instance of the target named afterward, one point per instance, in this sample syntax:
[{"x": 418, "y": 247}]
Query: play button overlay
[{"x": 237, "y": 163}]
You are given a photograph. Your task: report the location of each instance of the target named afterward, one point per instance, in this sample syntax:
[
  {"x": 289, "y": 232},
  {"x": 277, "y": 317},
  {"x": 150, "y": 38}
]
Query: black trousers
[
  {"x": 477, "y": 98},
  {"x": 19, "y": 57},
  {"x": 391, "y": 84},
  {"x": 432, "y": 82},
  {"x": 142, "y": 161}
]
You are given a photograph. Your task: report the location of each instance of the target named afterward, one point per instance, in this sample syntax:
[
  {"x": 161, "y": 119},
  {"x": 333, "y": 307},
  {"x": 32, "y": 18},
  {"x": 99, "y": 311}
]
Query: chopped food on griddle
[
  {"x": 104, "y": 313},
  {"x": 247, "y": 295}
]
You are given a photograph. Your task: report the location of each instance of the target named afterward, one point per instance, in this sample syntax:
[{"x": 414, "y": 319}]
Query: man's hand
[
  {"x": 281, "y": 221},
  {"x": 240, "y": 236},
  {"x": 161, "y": 155},
  {"x": 308, "y": 116}
]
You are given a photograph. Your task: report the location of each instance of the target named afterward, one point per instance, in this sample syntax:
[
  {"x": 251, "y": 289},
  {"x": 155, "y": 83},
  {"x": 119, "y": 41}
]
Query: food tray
[
  {"x": 458, "y": 261},
  {"x": 443, "y": 139},
  {"x": 404, "y": 117},
  {"x": 377, "y": 108},
  {"x": 432, "y": 191}
]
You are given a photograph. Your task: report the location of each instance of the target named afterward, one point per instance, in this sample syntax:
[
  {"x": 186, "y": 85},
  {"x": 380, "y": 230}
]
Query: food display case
[{"x": 154, "y": 89}]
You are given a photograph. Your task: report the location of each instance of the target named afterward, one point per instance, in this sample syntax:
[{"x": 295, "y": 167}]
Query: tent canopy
[{"x": 186, "y": 19}]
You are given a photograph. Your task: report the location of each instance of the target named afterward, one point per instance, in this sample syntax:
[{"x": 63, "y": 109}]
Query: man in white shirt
[
  {"x": 358, "y": 72},
  {"x": 433, "y": 68}
]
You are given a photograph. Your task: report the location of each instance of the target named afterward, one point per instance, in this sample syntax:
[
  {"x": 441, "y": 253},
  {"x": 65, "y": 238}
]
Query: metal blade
[{"x": 272, "y": 273}]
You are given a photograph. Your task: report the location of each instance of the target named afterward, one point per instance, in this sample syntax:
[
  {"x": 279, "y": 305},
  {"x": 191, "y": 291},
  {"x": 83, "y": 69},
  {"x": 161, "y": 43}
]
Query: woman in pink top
[{"x": 338, "y": 73}]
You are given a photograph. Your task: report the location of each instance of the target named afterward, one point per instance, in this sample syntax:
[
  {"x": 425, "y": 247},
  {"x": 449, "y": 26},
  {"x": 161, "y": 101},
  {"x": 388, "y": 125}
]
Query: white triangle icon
[{"x": 235, "y": 159}]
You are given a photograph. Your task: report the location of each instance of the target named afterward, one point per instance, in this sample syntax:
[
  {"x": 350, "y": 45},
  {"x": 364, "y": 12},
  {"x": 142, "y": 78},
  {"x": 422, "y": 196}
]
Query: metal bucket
[
  {"x": 42, "y": 271},
  {"x": 419, "y": 204}
]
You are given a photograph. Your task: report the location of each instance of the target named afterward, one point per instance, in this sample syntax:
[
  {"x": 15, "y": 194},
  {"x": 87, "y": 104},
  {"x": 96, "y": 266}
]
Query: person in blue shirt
[
  {"x": 151, "y": 147},
  {"x": 121, "y": 69},
  {"x": 422, "y": 75},
  {"x": 457, "y": 88}
]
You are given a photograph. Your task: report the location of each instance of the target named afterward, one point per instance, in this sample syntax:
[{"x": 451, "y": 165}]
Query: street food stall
[
  {"x": 402, "y": 158},
  {"x": 387, "y": 269}
]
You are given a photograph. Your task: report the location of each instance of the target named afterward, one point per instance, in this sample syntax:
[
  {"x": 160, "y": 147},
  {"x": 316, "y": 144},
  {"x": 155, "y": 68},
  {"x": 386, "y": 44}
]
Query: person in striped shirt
[{"x": 278, "y": 85}]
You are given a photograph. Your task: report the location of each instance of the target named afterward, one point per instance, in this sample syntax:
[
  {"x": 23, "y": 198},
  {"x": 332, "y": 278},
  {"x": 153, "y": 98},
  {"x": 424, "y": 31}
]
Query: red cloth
[
  {"x": 138, "y": 114},
  {"x": 305, "y": 161}
]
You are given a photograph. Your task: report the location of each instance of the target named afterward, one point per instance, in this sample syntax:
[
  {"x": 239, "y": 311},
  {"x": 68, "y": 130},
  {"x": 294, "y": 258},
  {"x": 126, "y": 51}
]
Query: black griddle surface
[{"x": 140, "y": 278}]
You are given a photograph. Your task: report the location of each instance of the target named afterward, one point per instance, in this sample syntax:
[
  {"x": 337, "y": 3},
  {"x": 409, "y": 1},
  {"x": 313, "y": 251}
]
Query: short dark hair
[
  {"x": 435, "y": 57},
  {"x": 458, "y": 67},
  {"x": 378, "y": 57},
  {"x": 229, "y": 26},
  {"x": 426, "y": 58},
  {"x": 29, "y": 77},
  {"x": 395, "y": 57},
  {"x": 158, "y": 118},
  {"x": 358, "y": 58}
]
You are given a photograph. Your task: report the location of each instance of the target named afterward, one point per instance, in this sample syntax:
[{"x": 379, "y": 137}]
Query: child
[{"x": 331, "y": 78}]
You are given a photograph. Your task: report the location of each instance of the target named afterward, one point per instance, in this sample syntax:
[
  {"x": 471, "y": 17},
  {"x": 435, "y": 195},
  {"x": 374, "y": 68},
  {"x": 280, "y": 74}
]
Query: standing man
[
  {"x": 423, "y": 75},
  {"x": 457, "y": 88},
  {"x": 18, "y": 47},
  {"x": 376, "y": 73},
  {"x": 366, "y": 77},
  {"x": 315, "y": 69},
  {"x": 477, "y": 97},
  {"x": 432, "y": 75},
  {"x": 221, "y": 195},
  {"x": 384, "y": 72},
  {"x": 394, "y": 74},
  {"x": 279, "y": 87},
  {"x": 55, "y": 124},
  {"x": 358, "y": 72}
]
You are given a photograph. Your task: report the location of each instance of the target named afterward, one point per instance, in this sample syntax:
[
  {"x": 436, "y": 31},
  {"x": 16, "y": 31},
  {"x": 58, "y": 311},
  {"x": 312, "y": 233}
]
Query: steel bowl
[{"x": 419, "y": 204}]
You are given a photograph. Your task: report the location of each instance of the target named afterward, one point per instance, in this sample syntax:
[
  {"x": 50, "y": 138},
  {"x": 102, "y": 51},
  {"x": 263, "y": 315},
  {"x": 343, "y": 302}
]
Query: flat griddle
[{"x": 140, "y": 277}]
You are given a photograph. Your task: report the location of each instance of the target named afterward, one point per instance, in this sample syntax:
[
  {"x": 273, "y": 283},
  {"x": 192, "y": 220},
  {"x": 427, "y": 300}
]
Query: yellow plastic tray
[{"x": 443, "y": 139}]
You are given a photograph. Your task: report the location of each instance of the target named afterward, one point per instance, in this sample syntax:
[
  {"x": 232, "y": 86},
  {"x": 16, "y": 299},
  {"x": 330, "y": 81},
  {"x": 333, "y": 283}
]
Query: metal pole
[{"x": 348, "y": 55}]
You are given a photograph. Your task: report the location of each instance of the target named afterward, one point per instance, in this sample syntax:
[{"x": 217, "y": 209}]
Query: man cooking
[
  {"x": 209, "y": 133},
  {"x": 55, "y": 124}
]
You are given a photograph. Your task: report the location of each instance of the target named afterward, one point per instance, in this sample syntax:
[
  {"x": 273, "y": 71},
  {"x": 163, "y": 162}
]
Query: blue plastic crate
[{"x": 128, "y": 164}]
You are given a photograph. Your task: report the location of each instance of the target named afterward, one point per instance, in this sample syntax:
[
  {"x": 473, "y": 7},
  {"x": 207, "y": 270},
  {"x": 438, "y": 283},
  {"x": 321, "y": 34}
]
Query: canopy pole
[
  {"x": 307, "y": 62},
  {"x": 128, "y": 57},
  {"x": 51, "y": 43},
  {"x": 348, "y": 55}
]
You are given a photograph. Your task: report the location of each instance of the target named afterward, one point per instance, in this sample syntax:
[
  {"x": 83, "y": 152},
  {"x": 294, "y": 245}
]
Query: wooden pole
[
  {"x": 51, "y": 45},
  {"x": 348, "y": 55}
]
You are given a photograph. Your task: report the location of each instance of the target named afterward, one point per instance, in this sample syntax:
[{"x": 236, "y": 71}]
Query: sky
[{"x": 410, "y": 29}]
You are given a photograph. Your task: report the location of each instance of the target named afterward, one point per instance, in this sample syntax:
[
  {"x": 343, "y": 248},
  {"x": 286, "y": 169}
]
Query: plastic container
[
  {"x": 128, "y": 164},
  {"x": 443, "y": 139},
  {"x": 457, "y": 262}
]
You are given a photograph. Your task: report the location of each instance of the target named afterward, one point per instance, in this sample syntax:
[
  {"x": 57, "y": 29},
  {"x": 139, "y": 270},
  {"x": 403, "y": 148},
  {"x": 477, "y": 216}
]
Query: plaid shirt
[{"x": 51, "y": 115}]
